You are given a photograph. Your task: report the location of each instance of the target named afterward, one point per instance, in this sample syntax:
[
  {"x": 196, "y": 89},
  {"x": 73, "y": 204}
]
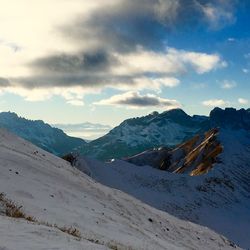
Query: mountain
[
  {"x": 41, "y": 134},
  {"x": 205, "y": 180},
  {"x": 135, "y": 135},
  {"x": 86, "y": 130},
  {"x": 45, "y": 203}
]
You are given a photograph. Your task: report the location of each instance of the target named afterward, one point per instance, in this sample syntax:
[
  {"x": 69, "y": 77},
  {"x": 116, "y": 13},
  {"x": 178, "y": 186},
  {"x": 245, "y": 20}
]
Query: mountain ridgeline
[
  {"x": 41, "y": 134},
  {"x": 166, "y": 129}
]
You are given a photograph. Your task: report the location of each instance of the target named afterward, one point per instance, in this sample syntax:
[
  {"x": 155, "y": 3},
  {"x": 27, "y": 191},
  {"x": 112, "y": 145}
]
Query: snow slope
[
  {"x": 41, "y": 134},
  {"x": 52, "y": 191},
  {"x": 218, "y": 199}
]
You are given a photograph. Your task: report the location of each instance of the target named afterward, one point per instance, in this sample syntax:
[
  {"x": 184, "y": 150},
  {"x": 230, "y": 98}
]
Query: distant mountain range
[
  {"x": 51, "y": 139},
  {"x": 131, "y": 137},
  {"x": 87, "y": 131}
]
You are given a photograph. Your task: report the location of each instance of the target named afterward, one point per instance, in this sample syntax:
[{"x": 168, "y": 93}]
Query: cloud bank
[{"x": 87, "y": 47}]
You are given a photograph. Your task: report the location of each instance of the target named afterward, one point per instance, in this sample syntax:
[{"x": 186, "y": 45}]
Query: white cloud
[
  {"x": 76, "y": 102},
  {"x": 243, "y": 101},
  {"x": 228, "y": 84},
  {"x": 215, "y": 103},
  {"x": 172, "y": 61},
  {"x": 73, "y": 96},
  {"x": 246, "y": 71},
  {"x": 136, "y": 100}
]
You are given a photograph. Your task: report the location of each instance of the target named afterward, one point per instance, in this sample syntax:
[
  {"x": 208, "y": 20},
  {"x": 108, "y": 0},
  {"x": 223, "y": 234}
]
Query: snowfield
[{"x": 51, "y": 191}]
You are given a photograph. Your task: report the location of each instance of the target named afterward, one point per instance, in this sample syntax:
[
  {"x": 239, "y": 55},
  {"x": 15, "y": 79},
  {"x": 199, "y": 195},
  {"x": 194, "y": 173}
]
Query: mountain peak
[
  {"x": 177, "y": 111},
  {"x": 230, "y": 118}
]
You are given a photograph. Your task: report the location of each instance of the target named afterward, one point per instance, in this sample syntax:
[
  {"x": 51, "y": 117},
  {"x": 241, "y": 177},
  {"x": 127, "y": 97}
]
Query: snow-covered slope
[
  {"x": 57, "y": 195},
  {"x": 41, "y": 134},
  {"x": 219, "y": 199},
  {"x": 135, "y": 135}
]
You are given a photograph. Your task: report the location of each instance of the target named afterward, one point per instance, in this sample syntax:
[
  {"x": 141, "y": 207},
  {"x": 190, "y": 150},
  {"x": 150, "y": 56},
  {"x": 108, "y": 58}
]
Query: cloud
[
  {"x": 136, "y": 100},
  {"x": 228, "y": 84},
  {"x": 215, "y": 103},
  {"x": 218, "y": 14},
  {"x": 243, "y": 101},
  {"x": 100, "y": 70},
  {"x": 76, "y": 102},
  {"x": 84, "y": 73},
  {"x": 100, "y": 44},
  {"x": 4, "y": 82},
  {"x": 74, "y": 63},
  {"x": 246, "y": 71}
]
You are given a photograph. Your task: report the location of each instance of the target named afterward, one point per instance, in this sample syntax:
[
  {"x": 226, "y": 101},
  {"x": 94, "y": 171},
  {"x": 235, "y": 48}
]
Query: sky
[{"x": 72, "y": 61}]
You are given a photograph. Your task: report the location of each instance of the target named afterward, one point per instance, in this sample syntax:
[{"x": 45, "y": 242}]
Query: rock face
[
  {"x": 41, "y": 134},
  {"x": 194, "y": 157}
]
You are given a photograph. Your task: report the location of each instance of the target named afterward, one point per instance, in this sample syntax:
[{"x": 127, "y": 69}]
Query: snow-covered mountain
[
  {"x": 41, "y": 134},
  {"x": 45, "y": 203},
  {"x": 217, "y": 195},
  {"x": 135, "y": 135}
]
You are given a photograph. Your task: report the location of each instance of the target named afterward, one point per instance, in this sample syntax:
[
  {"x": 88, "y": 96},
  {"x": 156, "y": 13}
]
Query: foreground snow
[{"x": 52, "y": 191}]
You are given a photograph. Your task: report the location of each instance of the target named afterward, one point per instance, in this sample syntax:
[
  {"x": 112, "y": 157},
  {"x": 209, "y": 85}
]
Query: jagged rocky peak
[
  {"x": 230, "y": 118},
  {"x": 198, "y": 155}
]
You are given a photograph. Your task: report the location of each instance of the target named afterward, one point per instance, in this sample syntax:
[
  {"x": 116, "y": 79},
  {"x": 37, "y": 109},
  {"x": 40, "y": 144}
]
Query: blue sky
[{"x": 105, "y": 61}]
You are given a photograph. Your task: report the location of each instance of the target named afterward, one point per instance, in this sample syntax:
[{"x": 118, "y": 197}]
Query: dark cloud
[
  {"x": 147, "y": 23},
  {"x": 70, "y": 80},
  {"x": 4, "y": 82},
  {"x": 142, "y": 101},
  {"x": 70, "y": 63},
  {"x": 134, "y": 99}
]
